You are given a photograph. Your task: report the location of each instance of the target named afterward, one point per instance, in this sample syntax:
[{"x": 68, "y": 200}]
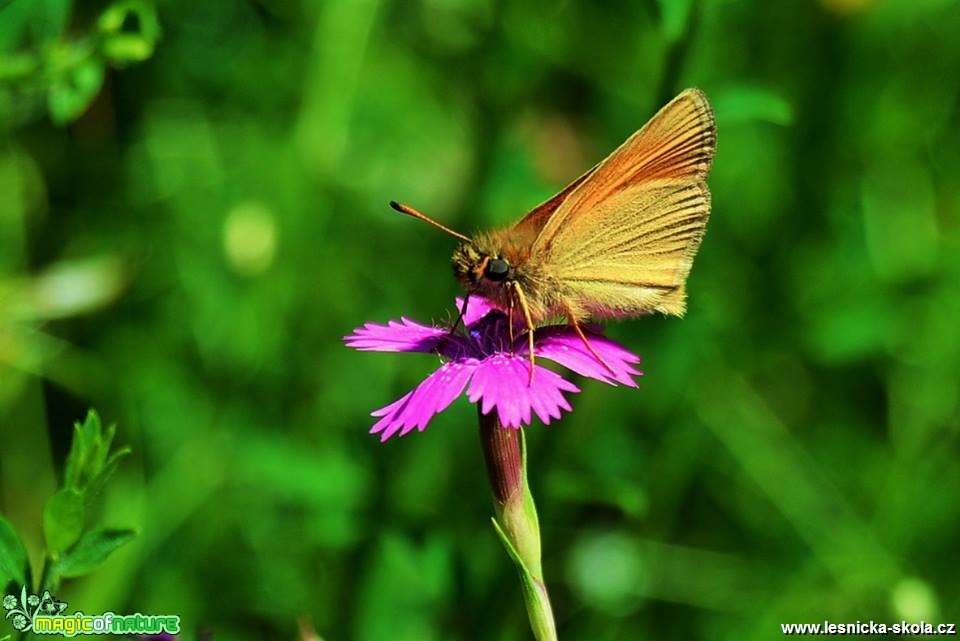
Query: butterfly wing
[
  {"x": 530, "y": 226},
  {"x": 623, "y": 240}
]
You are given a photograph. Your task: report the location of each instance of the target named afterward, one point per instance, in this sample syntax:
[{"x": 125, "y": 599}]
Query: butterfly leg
[
  {"x": 522, "y": 300},
  {"x": 510, "y": 322},
  {"x": 576, "y": 327}
]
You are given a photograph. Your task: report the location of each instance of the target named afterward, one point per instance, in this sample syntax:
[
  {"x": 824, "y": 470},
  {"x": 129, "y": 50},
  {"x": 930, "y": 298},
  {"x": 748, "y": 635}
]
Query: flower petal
[
  {"x": 387, "y": 425},
  {"x": 562, "y": 345},
  {"x": 502, "y": 381},
  {"x": 477, "y": 308},
  {"x": 430, "y": 397},
  {"x": 404, "y": 335}
]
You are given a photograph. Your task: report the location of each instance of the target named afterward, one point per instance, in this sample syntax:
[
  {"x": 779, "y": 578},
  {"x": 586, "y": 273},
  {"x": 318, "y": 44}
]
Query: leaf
[
  {"x": 75, "y": 459},
  {"x": 90, "y": 464},
  {"x": 112, "y": 19},
  {"x": 63, "y": 520},
  {"x": 85, "y": 437},
  {"x": 92, "y": 550},
  {"x": 123, "y": 45},
  {"x": 69, "y": 97},
  {"x": 535, "y": 597},
  {"x": 96, "y": 484},
  {"x": 106, "y": 442},
  {"x": 125, "y": 48},
  {"x": 14, "y": 564},
  {"x": 511, "y": 551},
  {"x": 87, "y": 452}
]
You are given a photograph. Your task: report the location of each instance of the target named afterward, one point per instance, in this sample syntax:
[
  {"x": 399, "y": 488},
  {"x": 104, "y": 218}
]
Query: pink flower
[{"x": 497, "y": 373}]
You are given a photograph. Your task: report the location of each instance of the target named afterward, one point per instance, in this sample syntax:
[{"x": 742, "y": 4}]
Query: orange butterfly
[{"x": 618, "y": 241}]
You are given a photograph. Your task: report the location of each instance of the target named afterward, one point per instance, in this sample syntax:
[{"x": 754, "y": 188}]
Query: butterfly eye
[{"x": 497, "y": 269}]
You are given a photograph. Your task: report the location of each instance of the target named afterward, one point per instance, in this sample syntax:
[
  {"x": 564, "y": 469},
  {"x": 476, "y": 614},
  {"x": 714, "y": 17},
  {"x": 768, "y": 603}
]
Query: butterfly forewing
[
  {"x": 532, "y": 224},
  {"x": 623, "y": 240}
]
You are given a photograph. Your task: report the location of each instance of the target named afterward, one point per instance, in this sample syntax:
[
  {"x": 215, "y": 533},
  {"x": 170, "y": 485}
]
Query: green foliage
[
  {"x": 88, "y": 466},
  {"x": 72, "y": 549},
  {"x": 14, "y": 564},
  {"x": 64, "y": 519},
  {"x": 92, "y": 550},
  {"x": 40, "y": 56},
  {"x": 90, "y": 463},
  {"x": 122, "y": 46},
  {"x": 184, "y": 247},
  {"x": 74, "y": 90}
]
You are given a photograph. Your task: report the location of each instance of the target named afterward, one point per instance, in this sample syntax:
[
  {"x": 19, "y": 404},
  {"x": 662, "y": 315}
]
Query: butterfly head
[
  {"x": 477, "y": 263},
  {"x": 480, "y": 269}
]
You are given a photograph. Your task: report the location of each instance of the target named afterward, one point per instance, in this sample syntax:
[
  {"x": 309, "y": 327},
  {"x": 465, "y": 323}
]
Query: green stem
[
  {"x": 504, "y": 450},
  {"x": 49, "y": 577}
]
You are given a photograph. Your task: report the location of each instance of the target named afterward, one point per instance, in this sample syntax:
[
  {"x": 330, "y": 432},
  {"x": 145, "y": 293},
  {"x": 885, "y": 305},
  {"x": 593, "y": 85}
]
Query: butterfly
[
  {"x": 50, "y": 605},
  {"x": 618, "y": 241}
]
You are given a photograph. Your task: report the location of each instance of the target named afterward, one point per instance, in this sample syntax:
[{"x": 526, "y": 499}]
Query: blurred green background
[{"x": 193, "y": 211}]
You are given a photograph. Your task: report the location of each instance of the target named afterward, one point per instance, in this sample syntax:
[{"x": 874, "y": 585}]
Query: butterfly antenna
[{"x": 410, "y": 211}]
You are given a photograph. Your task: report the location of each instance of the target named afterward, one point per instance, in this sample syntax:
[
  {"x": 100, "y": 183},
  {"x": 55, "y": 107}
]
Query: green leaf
[
  {"x": 125, "y": 48},
  {"x": 14, "y": 564},
  {"x": 70, "y": 96},
  {"x": 121, "y": 46},
  {"x": 75, "y": 459},
  {"x": 112, "y": 19},
  {"x": 539, "y": 611},
  {"x": 106, "y": 442},
  {"x": 87, "y": 452},
  {"x": 90, "y": 464},
  {"x": 97, "y": 456},
  {"x": 95, "y": 486},
  {"x": 63, "y": 520},
  {"x": 511, "y": 551},
  {"x": 17, "y": 67},
  {"x": 85, "y": 439},
  {"x": 91, "y": 550}
]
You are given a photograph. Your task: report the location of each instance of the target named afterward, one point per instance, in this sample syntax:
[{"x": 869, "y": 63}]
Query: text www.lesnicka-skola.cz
[{"x": 869, "y": 627}]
